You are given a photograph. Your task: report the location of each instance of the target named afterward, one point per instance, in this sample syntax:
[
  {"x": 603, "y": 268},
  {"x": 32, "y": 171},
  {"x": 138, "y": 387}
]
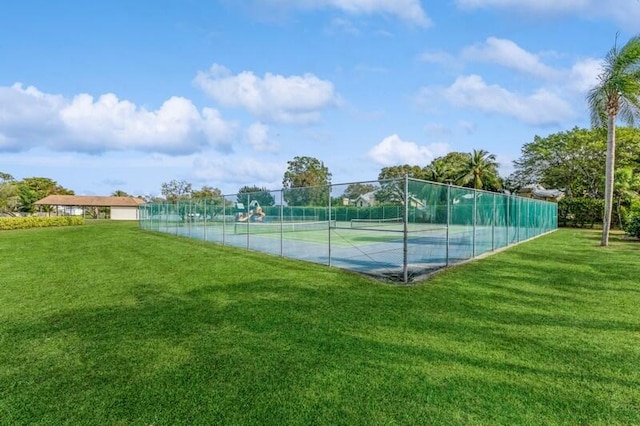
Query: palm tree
[
  {"x": 438, "y": 172},
  {"x": 617, "y": 95},
  {"x": 480, "y": 169}
]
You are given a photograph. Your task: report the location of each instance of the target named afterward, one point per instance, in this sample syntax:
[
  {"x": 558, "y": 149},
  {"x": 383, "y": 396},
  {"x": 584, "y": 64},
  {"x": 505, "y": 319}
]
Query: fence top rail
[{"x": 226, "y": 198}]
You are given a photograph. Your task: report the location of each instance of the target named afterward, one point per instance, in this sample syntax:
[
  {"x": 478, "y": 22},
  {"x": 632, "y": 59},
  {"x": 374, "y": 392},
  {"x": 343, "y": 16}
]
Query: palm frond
[{"x": 618, "y": 88}]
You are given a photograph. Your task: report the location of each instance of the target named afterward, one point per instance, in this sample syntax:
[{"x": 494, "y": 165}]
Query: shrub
[
  {"x": 580, "y": 212},
  {"x": 7, "y": 223},
  {"x": 632, "y": 227}
]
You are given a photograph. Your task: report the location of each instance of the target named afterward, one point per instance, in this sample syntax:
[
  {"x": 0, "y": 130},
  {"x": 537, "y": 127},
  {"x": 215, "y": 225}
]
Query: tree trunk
[
  {"x": 609, "y": 176},
  {"x": 619, "y": 211}
]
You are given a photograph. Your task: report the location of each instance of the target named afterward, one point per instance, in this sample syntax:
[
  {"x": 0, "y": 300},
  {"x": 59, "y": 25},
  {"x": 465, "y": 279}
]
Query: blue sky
[{"x": 113, "y": 95}]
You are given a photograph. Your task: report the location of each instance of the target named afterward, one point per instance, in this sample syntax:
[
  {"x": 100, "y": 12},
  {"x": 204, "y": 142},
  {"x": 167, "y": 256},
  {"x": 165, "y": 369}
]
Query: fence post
[
  {"x": 248, "y": 221},
  {"x": 281, "y": 222},
  {"x": 190, "y": 217},
  {"x": 224, "y": 221},
  {"x": 405, "y": 249},
  {"x": 518, "y": 213},
  {"x": 448, "y": 221},
  {"x": 508, "y": 218},
  {"x": 329, "y": 224},
  {"x": 178, "y": 215},
  {"x": 493, "y": 225},
  {"x": 473, "y": 240}
]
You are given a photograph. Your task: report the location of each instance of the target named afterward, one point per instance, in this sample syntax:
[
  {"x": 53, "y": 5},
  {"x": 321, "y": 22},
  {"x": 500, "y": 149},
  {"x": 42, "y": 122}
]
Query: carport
[{"x": 120, "y": 208}]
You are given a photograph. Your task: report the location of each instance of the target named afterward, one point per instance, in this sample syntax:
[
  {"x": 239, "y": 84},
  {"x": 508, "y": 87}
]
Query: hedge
[
  {"x": 7, "y": 223},
  {"x": 580, "y": 212},
  {"x": 633, "y": 226}
]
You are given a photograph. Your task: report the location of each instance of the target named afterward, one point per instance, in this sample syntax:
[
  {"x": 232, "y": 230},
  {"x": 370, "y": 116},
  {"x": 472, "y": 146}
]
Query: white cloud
[
  {"x": 579, "y": 78},
  {"x": 437, "y": 129},
  {"x": 508, "y": 54},
  {"x": 295, "y": 99},
  {"x": 505, "y": 163},
  {"x": 467, "y": 126},
  {"x": 625, "y": 12},
  {"x": 439, "y": 57},
  {"x": 342, "y": 26},
  {"x": 572, "y": 82},
  {"x": 27, "y": 116},
  {"x": 540, "y": 108},
  {"x": 257, "y": 136},
  {"x": 31, "y": 118},
  {"x": 584, "y": 74},
  {"x": 407, "y": 10},
  {"x": 393, "y": 151},
  {"x": 239, "y": 171}
]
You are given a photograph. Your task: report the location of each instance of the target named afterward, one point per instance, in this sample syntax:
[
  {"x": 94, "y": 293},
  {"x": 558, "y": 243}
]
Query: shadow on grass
[
  {"x": 276, "y": 351},
  {"x": 509, "y": 339}
]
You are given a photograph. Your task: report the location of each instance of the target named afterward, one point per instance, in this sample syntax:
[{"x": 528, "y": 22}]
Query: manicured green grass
[{"x": 108, "y": 324}]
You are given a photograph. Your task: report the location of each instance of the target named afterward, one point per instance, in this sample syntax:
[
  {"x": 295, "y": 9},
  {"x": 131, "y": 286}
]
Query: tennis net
[
  {"x": 376, "y": 223},
  {"x": 278, "y": 227}
]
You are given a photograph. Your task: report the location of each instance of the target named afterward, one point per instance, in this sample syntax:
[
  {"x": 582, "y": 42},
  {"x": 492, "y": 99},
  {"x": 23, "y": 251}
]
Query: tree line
[
  {"x": 574, "y": 161},
  {"x": 19, "y": 196},
  {"x": 477, "y": 169}
]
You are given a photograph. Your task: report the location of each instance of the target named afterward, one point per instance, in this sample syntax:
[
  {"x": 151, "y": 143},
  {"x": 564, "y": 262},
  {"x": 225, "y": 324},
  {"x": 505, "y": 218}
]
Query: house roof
[
  {"x": 90, "y": 201},
  {"x": 539, "y": 192},
  {"x": 369, "y": 197}
]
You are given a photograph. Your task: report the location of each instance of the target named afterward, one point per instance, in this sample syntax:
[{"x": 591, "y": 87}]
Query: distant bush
[
  {"x": 632, "y": 227},
  {"x": 7, "y": 223},
  {"x": 580, "y": 212}
]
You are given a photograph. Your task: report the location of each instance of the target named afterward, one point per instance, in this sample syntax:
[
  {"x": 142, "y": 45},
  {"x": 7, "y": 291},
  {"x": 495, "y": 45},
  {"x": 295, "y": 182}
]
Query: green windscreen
[{"x": 396, "y": 229}]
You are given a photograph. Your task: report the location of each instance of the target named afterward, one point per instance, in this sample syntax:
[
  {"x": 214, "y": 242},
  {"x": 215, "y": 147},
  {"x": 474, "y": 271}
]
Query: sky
[{"x": 121, "y": 95}]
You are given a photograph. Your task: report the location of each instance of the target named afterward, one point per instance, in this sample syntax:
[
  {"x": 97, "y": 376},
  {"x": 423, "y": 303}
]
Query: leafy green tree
[
  {"x": 439, "y": 172},
  {"x": 571, "y": 160},
  {"x": 32, "y": 189},
  {"x": 175, "y": 190},
  {"x": 448, "y": 168},
  {"x": 207, "y": 193},
  {"x": 395, "y": 172},
  {"x": 617, "y": 95},
  {"x": 633, "y": 227},
  {"x": 390, "y": 192},
  {"x": 8, "y": 194},
  {"x": 153, "y": 199},
  {"x": 354, "y": 190},
  {"x": 445, "y": 169},
  {"x": 480, "y": 171},
  {"x": 305, "y": 182},
  {"x": 627, "y": 146},
  {"x": 45, "y": 186},
  {"x": 580, "y": 211},
  {"x": 574, "y": 160},
  {"x": 627, "y": 186},
  {"x": 26, "y": 199},
  {"x": 247, "y": 194},
  {"x": 120, "y": 193}
]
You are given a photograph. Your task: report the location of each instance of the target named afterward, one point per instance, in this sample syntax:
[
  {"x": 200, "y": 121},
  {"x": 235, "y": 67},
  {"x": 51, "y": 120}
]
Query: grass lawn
[{"x": 109, "y": 324}]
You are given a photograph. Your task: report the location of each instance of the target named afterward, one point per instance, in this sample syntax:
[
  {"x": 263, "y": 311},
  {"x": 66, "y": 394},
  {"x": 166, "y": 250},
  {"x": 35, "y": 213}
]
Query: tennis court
[
  {"x": 400, "y": 230},
  {"x": 376, "y": 252}
]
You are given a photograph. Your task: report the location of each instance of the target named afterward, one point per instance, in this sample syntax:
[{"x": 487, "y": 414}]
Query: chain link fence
[{"x": 397, "y": 229}]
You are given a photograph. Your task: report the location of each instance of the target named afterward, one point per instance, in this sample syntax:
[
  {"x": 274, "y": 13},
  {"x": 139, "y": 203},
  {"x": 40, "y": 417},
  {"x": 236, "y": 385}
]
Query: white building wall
[{"x": 124, "y": 213}]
